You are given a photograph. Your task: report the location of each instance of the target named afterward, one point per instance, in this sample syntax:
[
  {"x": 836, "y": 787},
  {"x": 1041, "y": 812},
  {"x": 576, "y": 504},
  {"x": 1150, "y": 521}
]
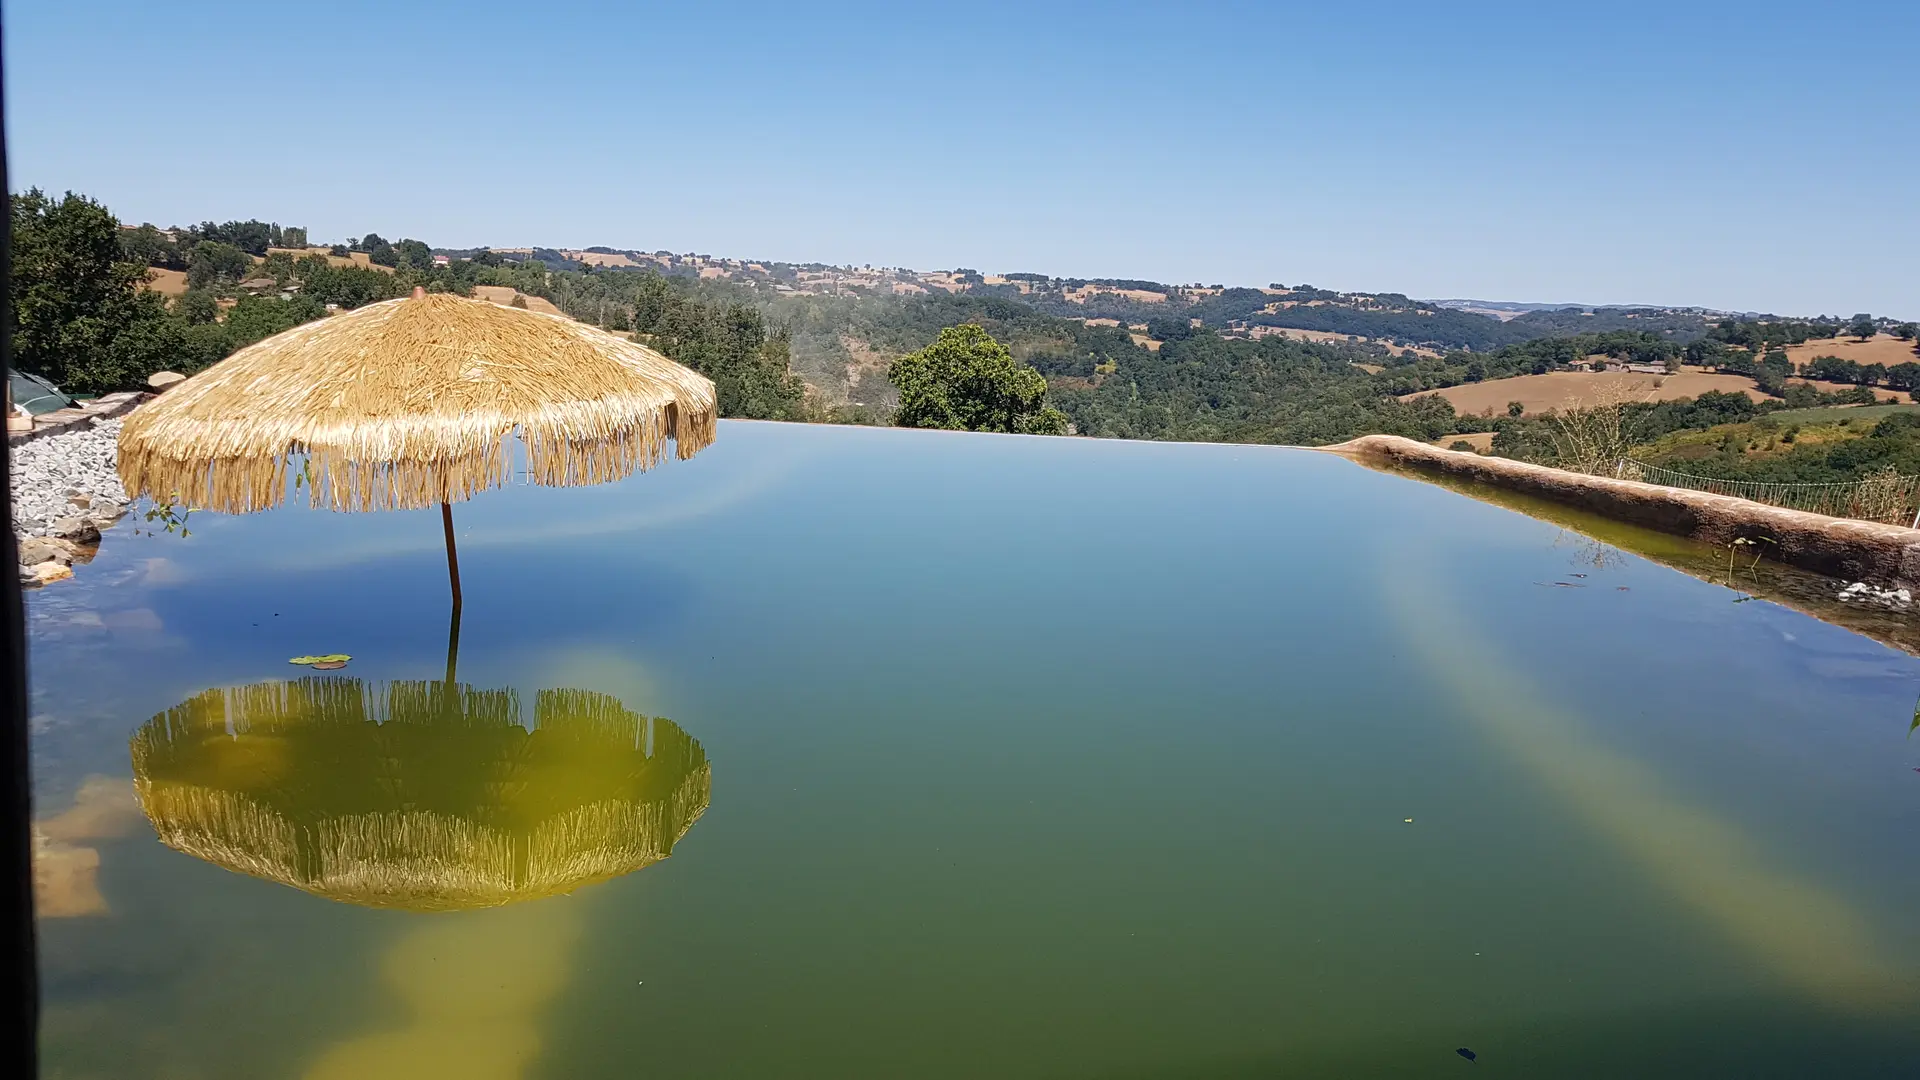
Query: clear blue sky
[{"x": 1753, "y": 155}]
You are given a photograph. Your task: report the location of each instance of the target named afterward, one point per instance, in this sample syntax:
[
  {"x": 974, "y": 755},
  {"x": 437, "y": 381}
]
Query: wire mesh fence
[{"x": 1885, "y": 496}]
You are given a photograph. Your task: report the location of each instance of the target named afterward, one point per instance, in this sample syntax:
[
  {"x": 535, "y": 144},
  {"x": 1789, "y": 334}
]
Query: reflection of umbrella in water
[{"x": 421, "y": 795}]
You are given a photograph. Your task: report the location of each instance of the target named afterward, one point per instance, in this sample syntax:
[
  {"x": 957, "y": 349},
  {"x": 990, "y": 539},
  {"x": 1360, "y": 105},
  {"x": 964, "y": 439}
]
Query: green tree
[
  {"x": 1516, "y": 408},
  {"x": 149, "y": 246},
  {"x": 966, "y": 381},
  {"x": 1906, "y": 331},
  {"x": 294, "y": 236},
  {"x": 253, "y": 237},
  {"x": 256, "y": 318},
  {"x": 1705, "y": 352},
  {"x": 214, "y": 262},
  {"x": 77, "y": 313},
  {"x": 1833, "y": 369},
  {"x": 730, "y": 344},
  {"x": 196, "y": 307},
  {"x": 1862, "y": 326},
  {"x": 413, "y": 253},
  {"x": 345, "y": 286},
  {"x": 1169, "y": 328},
  {"x": 278, "y": 266}
]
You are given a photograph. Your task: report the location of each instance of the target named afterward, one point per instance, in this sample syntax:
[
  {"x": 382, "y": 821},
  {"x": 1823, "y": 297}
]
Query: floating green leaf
[{"x": 330, "y": 658}]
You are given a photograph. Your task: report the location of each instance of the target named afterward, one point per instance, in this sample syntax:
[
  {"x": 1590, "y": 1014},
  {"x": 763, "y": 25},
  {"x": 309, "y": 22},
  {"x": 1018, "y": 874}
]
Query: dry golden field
[
  {"x": 167, "y": 282},
  {"x": 1560, "y": 388},
  {"x": 503, "y": 295},
  {"x": 1479, "y": 440},
  {"x": 1879, "y": 349}
]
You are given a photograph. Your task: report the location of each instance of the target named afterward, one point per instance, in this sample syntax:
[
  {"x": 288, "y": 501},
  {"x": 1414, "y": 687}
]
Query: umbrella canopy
[
  {"x": 427, "y": 796},
  {"x": 409, "y": 403}
]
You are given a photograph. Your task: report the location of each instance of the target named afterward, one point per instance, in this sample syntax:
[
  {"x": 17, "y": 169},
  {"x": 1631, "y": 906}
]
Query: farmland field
[{"x": 1560, "y": 388}]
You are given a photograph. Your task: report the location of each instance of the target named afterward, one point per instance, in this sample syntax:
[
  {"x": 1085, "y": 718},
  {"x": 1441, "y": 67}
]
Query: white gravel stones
[
  {"x": 70, "y": 475},
  {"x": 1862, "y": 593}
]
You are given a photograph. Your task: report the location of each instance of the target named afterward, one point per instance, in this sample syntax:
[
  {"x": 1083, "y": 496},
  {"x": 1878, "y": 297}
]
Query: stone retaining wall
[
  {"x": 76, "y": 416},
  {"x": 1837, "y": 547}
]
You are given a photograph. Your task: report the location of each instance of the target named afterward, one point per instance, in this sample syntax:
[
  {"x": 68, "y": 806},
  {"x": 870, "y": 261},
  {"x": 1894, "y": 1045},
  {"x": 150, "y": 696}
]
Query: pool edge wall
[{"x": 1837, "y": 547}]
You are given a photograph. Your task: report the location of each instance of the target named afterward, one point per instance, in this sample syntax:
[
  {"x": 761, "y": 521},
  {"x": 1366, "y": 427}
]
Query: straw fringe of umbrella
[
  {"x": 414, "y": 402},
  {"x": 421, "y": 860},
  {"x": 226, "y": 777}
]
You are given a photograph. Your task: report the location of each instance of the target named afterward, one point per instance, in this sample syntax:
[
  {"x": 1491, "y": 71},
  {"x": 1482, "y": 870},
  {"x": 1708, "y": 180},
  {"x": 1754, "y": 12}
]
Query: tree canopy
[
  {"x": 966, "y": 381},
  {"x": 78, "y": 315},
  {"x": 728, "y": 343}
]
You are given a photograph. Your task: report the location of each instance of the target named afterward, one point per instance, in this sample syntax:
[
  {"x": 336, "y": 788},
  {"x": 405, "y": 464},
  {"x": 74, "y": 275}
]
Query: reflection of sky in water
[{"x": 1038, "y": 758}]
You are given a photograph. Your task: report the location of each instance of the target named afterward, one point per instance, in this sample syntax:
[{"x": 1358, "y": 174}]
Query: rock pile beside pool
[{"x": 65, "y": 490}]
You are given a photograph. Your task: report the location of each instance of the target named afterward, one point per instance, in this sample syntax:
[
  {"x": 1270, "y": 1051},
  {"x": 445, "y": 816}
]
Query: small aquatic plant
[
  {"x": 170, "y": 514},
  {"x": 1733, "y": 550}
]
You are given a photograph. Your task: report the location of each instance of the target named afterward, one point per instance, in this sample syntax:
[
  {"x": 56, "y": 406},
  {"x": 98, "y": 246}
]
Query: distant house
[
  {"x": 1648, "y": 369},
  {"x": 442, "y": 260},
  {"x": 259, "y": 285}
]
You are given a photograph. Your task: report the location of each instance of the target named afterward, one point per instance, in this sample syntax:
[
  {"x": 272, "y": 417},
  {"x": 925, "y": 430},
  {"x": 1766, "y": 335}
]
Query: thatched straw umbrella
[
  {"x": 418, "y": 795},
  {"x": 410, "y": 403}
]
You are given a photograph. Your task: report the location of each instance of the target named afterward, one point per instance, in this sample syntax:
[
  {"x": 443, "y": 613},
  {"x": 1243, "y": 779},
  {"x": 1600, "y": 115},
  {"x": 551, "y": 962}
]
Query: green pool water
[{"x": 861, "y": 753}]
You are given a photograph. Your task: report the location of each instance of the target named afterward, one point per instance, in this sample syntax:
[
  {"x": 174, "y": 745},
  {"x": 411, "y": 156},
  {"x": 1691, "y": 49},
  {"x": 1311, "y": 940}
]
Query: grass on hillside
[
  {"x": 1771, "y": 437},
  {"x": 1828, "y": 414}
]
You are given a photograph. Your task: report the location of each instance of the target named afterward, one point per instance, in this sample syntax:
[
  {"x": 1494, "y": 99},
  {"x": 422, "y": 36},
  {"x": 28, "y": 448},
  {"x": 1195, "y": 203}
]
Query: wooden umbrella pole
[
  {"x": 453, "y": 576},
  {"x": 453, "y": 644},
  {"x": 453, "y": 556}
]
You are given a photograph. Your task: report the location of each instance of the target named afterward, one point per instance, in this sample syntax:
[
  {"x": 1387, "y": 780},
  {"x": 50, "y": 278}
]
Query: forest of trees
[
  {"x": 82, "y": 320},
  {"x": 1273, "y": 390},
  {"x": 1679, "y": 326},
  {"x": 729, "y": 343},
  {"x": 1199, "y": 384}
]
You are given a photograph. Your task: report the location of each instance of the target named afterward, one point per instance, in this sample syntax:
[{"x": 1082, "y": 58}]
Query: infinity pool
[{"x": 863, "y": 753}]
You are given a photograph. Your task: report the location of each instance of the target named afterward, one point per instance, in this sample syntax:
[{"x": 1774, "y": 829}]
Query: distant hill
[
  {"x": 1123, "y": 357},
  {"x": 1679, "y": 324},
  {"x": 1497, "y": 309}
]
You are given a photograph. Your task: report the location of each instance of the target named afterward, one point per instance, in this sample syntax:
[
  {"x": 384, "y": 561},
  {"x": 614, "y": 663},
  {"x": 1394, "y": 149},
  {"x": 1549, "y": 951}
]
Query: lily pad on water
[{"x": 336, "y": 659}]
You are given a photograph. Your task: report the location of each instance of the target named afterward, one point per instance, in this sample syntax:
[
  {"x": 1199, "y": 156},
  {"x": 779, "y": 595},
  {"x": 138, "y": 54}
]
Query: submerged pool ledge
[{"x": 1837, "y": 547}]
